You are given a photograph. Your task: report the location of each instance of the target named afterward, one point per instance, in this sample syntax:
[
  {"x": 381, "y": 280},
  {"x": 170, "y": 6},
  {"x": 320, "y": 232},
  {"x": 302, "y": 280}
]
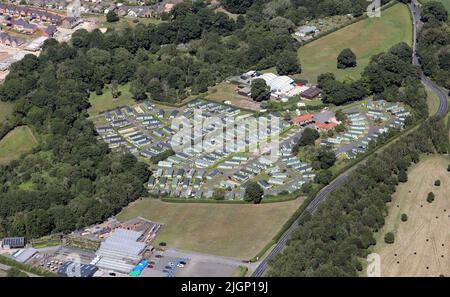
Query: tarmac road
[{"x": 442, "y": 111}]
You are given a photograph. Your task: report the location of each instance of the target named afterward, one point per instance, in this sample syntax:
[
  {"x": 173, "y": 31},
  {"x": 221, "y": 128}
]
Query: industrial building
[
  {"x": 120, "y": 252},
  {"x": 13, "y": 242}
]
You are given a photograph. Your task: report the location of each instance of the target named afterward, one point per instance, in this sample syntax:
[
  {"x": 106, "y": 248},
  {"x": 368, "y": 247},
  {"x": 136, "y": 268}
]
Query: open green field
[
  {"x": 433, "y": 102},
  {"x": 17, "y": 142},
  {"x": 105, "y": 101},
  {"x": 366, "y": 38},
  {"x": 421, "y": 243},
  {"x": 233, "y": 230},
  {"x": 6, "y": 108},
  {"x": 126, "y": 22},
  {"x": 445, "y": 2}
]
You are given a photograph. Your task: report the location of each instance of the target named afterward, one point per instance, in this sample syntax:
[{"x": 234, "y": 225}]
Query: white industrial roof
[
  {"x": 278, "y": 84},
  {"x": 23, "y": 255},
  {"x": 119, "y": 249}
]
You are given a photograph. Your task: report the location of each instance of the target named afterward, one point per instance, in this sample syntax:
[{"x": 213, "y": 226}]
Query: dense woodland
[
  {"x": 434, "y": 43},
  {"x": 71, "y": 179},
  {"x": 296, "y": 10}
]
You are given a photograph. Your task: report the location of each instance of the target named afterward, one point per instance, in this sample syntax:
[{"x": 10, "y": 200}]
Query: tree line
[{"x": 434, "y": 43}]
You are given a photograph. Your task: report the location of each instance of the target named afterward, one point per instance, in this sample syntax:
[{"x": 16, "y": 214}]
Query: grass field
[
  {"x": 126, "y": 22},
  {"x": 433, "y": 102},
  {"x": 226, "y": 92},
  {"x": 421, "y": 243},
  {"x": 234, "y": 230},
  {"x": 15, "y": 143},
  {"x": 366, "y": 38},
  {"x": 445, "y": 2},
  {"x": 6, "y": 109},
  {"x": 106, "y": 102}
]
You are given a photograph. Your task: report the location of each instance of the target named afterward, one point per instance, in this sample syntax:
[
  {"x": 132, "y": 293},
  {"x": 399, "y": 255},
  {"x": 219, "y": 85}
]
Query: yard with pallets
[
  {"x": 366, "y": 38},
  {"x": 17, "y": 142},
  {"x": 233, "y": 230},
  {"x": 421, "y": 243}
]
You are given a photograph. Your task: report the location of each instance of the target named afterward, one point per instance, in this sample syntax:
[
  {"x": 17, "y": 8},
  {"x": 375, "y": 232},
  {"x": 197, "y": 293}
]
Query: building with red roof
[
  {"x": 325, "y": 126},
  {"x": 303, "y": 119}
]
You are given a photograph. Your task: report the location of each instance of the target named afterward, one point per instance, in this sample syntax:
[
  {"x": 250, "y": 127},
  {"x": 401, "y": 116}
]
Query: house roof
[
  {"x": 6, "y": 37},
  {"x": 303, "y": 118},
  {"x": 311, "y": 93},
  {"x": 326, "y": 126},
  {"x": 24, "y": 24}
]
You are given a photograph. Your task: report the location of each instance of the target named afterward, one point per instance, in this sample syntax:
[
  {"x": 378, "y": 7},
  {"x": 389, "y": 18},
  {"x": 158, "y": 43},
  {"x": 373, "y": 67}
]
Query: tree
[
  {"x": 323, "y": 177},
  {"x": 434, "y": 10},
  {"x": 237, "y": 6},
  {"x": 404, "y": 217},
  {"x": 115, "y": 93},
  {"x": 326, "y": 157},
  {"x": 389, "y": 238},
  {"x": 448, "y": 168},
  {"x": 281, "y": 25},
  {"x": 253, "y": 192},
  {"x": 402, "y": 50},
  {"x": 346, "y": 59},
  {"x": 309, "y": 136},
  {"x": 288, "y": 63},
  {"x": 260, "y": 90},
  {"x": 402, "y": 176},
  {"x": 323, "y": 78},
  {"x": 437, "y": 183},
  {"x": 112, "y": 17},
  {"x": 137, "y": 88},
  {"x": 430, "y": 197}
]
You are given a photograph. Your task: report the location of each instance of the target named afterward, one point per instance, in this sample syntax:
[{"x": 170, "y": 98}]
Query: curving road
[
  {"x": 443, "y": 101},
  {"x": 312, "y": 206}
]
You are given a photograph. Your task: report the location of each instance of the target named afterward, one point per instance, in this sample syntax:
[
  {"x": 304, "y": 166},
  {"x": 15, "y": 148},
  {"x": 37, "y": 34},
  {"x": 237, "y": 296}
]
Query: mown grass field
[
  {"x": 433, "y": 102},
  {"x": 17, "y": 142},
  {"x": 6, "y": 109},
  {"x": 366, "y": 38},
  {"x": 233, "y": 230},
  {"x": 101, "y": 103},
  {"x": 421, "y": 243}
]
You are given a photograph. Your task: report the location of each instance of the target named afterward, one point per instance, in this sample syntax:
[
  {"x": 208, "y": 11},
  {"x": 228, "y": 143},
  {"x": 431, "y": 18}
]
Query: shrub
[
  {"x": 437, "y": 183},
  {"x": 402, "y": 176},
  {"x": 430, "y": 197},
  {"x": 404, "y": 217},
  {"x": 389, "y": 238}
]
